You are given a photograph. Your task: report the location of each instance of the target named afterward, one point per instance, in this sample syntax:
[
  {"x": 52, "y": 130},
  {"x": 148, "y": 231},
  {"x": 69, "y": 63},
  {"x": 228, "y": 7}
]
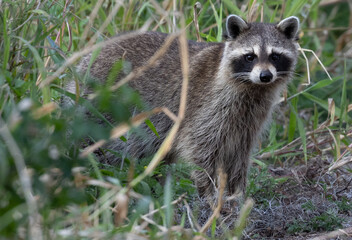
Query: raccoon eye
[
  {"x": 275, "y": 57},
  {"x": 249, "y": 57}
]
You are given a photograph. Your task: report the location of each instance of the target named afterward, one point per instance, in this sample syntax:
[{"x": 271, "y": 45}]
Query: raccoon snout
[{"x": 266, "y": 76}]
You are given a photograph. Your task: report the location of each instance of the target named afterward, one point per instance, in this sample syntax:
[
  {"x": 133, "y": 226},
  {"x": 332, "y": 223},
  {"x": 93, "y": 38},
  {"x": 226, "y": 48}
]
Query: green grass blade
[
  {"x": 152, "y": 127},
  {"x": 321, "y": 102},
  {"x": 6, "y": 40},
  {"x": 40, "y": 64},
  {"x": 343, "y": 98},
  {"x": 293, "y": 120},
  {"x": 301, "y": 130},
  {"x": 318, "y": 85},
  {"x": 233, "y": 8},
  {"x": 294, "y": 7},
  {"x": 167, "y": 202}
]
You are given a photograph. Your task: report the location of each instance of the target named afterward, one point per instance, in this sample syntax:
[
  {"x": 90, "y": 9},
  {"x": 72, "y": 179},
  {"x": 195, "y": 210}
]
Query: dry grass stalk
[
  {"x": 337, "y": 148},
  {"x": 120, "y": 130},
  {"x": 151, "y": 62},
  {"x": 178, "y": 200},
  {"x": 185, "y": 72},
  {"x": 162, "y": 12},
  {"x": 191, "y": 219},
  {"x": 151, "y": 213},
  {"x": 99, "y": 183},
  {"x": 302, "y": 50},
  {"x": 167, "y": 143},
  {"x": 349, "y": 108},
  {"x": 91, "y": 18},
  {"x": 44, "y": 110},
  {"x": 297, "y": 141},
  {"x": 159, "y": 155},
  {"x": 106, "y": 22},
  {"x": 121, "y": 209},
  {"x": 347, "y": 232},
  {"x": 104, "y": 203},
  {"x": 59, "y": 36},
  {"x": 339, "y": 162},
  {"x": 308, "y": 68},
  {"x": 123, "y": 128},
  {"x": 242, "y": 219},
  {"x": 77, "y": 55},
  {"x": 331, "y": 111},
  {"x": 196, "y": 6},
  {"x": 150, "y": 221},
  {"x": 29, "y": 18},
  {"x": 216, "y": 212},
  {"x": 253, "y": 12}
]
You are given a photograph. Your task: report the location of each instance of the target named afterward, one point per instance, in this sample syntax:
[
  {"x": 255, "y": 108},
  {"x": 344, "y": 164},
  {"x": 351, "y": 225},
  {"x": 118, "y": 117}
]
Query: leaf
[
  {"x": 318, "y": 85},
  {"x": 40, "y": 12},
  {"x": 152, "y": 127}
]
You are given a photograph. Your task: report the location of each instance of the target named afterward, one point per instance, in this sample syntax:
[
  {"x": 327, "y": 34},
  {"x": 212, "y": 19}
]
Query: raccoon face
[{"x": 259, "y": 53}]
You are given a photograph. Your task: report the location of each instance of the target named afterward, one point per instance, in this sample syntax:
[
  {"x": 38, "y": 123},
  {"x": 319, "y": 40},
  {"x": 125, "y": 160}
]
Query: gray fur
[{"x": 225, "y": 112}]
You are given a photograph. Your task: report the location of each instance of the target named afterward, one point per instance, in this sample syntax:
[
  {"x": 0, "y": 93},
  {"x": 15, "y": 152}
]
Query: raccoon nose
[{"x": 266, "y": 76}]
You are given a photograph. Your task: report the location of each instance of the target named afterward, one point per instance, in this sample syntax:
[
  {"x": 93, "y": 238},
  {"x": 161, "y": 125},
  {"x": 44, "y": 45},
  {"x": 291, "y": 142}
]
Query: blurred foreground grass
[{"x": 47, "y": 191}]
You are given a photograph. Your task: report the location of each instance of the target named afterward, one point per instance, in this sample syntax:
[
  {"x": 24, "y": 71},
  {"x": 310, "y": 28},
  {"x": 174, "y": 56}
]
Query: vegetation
[{"x": 51, "y": 189}]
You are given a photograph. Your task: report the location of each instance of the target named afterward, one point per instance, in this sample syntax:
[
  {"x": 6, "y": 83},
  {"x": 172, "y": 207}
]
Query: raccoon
[{"x": 233, "y": 87}]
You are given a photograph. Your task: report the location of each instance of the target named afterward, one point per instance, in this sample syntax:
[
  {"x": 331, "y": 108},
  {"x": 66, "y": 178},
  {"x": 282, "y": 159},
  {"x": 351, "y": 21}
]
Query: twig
[
  {"x": 345, "y": 188},
  {"x": 194, "y": 224},
  {"x": 340, "y": 232},
  {"x": 179, "y": 199}
]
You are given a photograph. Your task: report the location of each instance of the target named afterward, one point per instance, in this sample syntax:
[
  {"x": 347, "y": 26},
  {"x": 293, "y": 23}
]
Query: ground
[{"x": 292, "y": 201}]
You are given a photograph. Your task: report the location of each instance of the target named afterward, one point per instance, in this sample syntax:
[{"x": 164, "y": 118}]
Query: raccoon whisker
[
  {"x": 241, "y": 74},
  {"x": 286, "y": 72},
  {"x": 242, "y": 80},
  {"x": 242, "y": 77}
]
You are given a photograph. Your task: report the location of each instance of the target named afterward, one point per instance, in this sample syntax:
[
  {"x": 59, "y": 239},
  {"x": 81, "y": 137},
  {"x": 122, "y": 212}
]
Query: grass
[{"x": 50, "y": 191}]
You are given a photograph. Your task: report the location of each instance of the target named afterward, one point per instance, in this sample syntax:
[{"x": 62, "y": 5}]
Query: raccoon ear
[
  {"x": 235, "y": 25},
  {"x": 289, "y": 26}
]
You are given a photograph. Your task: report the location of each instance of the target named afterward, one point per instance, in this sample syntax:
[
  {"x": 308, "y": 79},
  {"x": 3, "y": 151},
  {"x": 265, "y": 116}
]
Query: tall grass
[{"x": 50, "y": 190}]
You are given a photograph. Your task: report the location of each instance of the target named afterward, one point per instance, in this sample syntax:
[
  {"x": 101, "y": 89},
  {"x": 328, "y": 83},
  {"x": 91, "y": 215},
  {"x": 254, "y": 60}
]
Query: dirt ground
[{"x": 300, "y": 201}]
